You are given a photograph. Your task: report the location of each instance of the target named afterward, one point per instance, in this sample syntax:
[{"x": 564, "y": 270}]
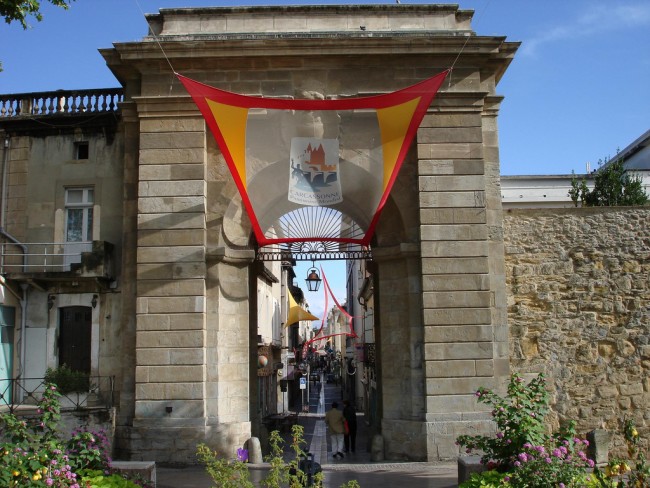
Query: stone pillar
[
  {"x": 462, "y": 271},
  {"x": 400, "y": 335},
  {"x": 228, "y": 379},
  {"x": 170, "y": 390},
  {"x": 125, "y": 378}
]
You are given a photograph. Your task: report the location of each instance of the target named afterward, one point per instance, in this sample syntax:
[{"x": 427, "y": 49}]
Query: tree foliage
[
  {"x": 19, "y": 10},
  {"x": 614, "y": 186}
]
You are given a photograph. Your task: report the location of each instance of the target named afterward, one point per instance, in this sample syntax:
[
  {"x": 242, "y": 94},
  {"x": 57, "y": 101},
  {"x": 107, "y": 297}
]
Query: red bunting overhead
[{"x": 314, "y": 170}]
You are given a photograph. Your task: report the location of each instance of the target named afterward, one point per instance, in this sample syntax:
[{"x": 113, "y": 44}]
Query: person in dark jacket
[{"x": 350, "y": 414}]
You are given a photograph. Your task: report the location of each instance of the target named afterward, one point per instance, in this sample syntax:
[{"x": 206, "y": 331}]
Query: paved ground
[{"x": 355, "y": 466}]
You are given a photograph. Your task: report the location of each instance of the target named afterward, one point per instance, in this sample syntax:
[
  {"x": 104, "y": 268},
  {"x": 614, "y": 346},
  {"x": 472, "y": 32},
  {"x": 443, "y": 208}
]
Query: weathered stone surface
[
  {"x": 452, "y": 265},
  {"x": 454, "y": 316},
  {"x": 463, "y": 249},
  {"x": 451, "y": 183},
  {"x": 453, "y": 216},
  {"x": 462, "y": 333},
  {"x": 458, "y": 232},
  {"x": 578, "y": 309},
  {"x": 463, "y": 350}
]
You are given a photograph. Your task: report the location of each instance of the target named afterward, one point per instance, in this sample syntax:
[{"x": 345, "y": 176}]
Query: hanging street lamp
[{"x": 313, "y": 280}]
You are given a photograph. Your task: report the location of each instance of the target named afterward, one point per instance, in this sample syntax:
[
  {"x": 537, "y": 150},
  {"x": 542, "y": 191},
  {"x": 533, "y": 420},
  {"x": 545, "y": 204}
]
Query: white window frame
[{"x": 86, "y": 206}]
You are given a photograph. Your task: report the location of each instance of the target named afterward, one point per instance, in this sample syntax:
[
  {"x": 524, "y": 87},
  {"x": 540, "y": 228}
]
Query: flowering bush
[
  {"x": 563, "y": 466},
  {"x": 522, "y": 450},
  {"x": 89, "y": 450},
  {"x": 519, "y": 418},
  {"x": 35, "y": 455}
]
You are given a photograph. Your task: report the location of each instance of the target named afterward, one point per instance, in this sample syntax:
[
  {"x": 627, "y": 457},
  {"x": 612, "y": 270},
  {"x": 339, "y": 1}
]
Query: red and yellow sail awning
[{"x": 289, "y": 156}]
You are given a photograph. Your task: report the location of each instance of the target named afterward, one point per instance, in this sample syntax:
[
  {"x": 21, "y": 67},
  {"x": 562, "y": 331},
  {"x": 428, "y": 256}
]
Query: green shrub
[
  {"x": 522, "y": 449},
  {"x": 35, "y": 455},
  {"x": 234, "y": 474},
  {"x": 68, "y": 380},
  {"x": 486, "y": 479},
  {"x": 519, "y": 417}
]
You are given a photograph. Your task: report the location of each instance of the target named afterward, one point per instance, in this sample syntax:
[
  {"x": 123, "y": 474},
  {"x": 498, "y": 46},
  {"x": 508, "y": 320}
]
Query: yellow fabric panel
[
  {"x": 297, "y": 313},
  {"x": 232, "y": 121},
  {"x": 394, "y": 123}
]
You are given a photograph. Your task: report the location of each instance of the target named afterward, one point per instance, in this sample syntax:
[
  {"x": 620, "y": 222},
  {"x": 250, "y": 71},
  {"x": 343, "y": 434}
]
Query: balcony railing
[
  {"x": 47, "y": 257},
  {"x": 60, "y": 102},
  {"x": 22, "y": 395}
]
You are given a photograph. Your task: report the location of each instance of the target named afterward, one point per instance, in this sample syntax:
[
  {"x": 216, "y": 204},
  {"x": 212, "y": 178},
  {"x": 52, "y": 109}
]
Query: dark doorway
[{"x": 74, "y": 338}]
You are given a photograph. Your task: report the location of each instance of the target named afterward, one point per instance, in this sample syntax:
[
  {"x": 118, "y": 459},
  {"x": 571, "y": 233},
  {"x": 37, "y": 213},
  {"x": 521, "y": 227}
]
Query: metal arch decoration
[{"x": 300, "y": 165}]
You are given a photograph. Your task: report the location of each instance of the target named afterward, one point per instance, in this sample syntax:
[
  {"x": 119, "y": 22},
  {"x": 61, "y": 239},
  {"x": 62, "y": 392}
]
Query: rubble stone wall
[{"x": 578, "y": 284}]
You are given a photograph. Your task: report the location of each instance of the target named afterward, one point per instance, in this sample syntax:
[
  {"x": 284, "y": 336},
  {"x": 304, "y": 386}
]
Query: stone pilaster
[
  {"x": 459, "y": 261},
  {"x": 170, "y": 390}
]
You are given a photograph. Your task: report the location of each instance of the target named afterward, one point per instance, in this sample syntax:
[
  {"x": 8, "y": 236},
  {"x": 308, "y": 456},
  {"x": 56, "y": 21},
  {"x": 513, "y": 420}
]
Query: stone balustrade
[{"x": 60, "y": 102}]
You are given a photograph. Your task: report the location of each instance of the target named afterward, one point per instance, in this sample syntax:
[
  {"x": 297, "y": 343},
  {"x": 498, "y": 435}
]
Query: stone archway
[{"x": 440, "y": 249}]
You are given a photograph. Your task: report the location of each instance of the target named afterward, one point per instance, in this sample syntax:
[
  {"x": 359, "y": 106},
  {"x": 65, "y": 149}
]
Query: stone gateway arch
[{"x": 188, "y": 281}]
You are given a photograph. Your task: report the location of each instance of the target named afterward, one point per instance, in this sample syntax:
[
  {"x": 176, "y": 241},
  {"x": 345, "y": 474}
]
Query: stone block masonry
[{"x": 579, "y": 309}]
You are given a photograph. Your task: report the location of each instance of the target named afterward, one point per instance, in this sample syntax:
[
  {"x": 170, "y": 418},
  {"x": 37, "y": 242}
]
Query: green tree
[
  {"x": 614, "y": 186},
  {"x": 19, "y": 10}
]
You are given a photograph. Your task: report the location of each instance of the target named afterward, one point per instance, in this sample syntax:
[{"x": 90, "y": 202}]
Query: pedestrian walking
[
  {"x": 336, "y": 425},
  {"x": 350, "y": 415}
]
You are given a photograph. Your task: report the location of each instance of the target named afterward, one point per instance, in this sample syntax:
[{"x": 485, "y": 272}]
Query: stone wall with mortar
[{"x": 578, "y": 285}]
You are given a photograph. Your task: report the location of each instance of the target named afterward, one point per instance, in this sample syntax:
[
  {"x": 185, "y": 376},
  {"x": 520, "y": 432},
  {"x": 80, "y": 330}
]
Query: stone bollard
[
  {"x": 254, "y": 450},
  {"x": 377, "y": 448},
  {"x": 467, "y": 466},
  {"x": 598, "y": 449}
]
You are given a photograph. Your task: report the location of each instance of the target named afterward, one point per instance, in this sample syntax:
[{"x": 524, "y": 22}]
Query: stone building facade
[{"x": 175, "y": 322}]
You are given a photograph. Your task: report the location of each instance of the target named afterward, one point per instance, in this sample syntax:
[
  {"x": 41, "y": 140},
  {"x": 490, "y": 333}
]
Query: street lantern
[{"x": 313, "y": 280}]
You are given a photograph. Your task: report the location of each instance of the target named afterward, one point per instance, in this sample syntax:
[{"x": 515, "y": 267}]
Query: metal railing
[
  {"x": 41, "y": 257},
  {"x": 22, "y": 395},
  {"x": 61, "y": 102}
]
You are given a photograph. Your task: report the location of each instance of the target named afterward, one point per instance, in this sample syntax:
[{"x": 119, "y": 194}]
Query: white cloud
[{"x": 593, "y": 21}]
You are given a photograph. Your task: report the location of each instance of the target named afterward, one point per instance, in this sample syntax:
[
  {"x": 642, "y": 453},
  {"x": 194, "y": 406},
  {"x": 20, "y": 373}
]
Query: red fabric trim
[{"x": 426, "y": 90}]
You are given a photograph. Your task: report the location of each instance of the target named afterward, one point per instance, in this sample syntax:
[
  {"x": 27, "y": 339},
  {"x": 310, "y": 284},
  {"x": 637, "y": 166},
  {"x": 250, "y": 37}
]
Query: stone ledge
[{"x": 130, "y": 469}]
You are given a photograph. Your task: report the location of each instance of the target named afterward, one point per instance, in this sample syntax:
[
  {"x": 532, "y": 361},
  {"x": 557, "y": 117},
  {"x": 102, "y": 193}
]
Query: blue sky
[{"x": 578, "y": 89}]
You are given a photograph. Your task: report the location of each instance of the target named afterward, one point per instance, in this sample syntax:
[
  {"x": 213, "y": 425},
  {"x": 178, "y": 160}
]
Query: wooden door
[{"x": 74, "y": 338}]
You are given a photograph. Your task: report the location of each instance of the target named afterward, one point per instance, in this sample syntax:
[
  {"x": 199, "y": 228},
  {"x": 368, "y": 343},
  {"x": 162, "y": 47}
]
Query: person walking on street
[
  {"x": 335, "y": 423},
  {"x": 350, "y": 415}
]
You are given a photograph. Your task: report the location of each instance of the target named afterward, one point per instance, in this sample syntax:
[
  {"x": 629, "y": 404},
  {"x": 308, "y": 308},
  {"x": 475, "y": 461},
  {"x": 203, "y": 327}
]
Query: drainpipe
[
  {"x": 23, "y": 336},
  {"x": 5, "y": 163}
]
